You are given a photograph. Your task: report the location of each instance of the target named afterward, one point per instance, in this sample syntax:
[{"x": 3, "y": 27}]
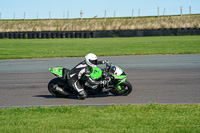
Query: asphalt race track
[{"x": 164, "y": 79}]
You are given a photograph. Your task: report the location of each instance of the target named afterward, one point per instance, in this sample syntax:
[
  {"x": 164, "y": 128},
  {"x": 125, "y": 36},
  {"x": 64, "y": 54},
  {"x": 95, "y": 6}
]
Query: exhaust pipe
[{"x": 61, "y": 91}]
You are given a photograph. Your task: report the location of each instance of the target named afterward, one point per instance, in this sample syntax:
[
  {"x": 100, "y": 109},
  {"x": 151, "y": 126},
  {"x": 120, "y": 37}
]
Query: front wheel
[{"x": 126, "y": 89}]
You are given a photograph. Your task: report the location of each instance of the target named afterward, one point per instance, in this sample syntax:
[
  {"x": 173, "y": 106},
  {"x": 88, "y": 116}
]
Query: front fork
[{"x": 118, "y": 85}]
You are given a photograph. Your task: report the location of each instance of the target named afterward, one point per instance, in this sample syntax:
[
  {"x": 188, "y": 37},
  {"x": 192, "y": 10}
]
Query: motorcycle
[{"x": 116, "y": 82}]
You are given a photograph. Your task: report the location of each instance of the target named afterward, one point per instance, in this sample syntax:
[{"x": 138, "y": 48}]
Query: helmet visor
[{"x": 93, "y": 62}]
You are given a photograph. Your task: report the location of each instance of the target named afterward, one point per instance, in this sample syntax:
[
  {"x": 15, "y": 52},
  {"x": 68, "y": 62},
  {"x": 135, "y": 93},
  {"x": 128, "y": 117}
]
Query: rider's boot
[{"x": 82, "y": 95}]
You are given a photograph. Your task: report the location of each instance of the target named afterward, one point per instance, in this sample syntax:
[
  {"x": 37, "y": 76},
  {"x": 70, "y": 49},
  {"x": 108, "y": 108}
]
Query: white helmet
[{"x": 91, "y": 60}]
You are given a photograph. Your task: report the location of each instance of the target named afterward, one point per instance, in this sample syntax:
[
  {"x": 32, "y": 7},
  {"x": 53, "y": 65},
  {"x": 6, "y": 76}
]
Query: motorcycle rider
[{"x": 83, "y": 69}]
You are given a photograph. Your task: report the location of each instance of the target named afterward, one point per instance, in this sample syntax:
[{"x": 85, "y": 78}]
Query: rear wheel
[
  {"x": 126, "y": 89},
  {"x": 53, "y": 84}
]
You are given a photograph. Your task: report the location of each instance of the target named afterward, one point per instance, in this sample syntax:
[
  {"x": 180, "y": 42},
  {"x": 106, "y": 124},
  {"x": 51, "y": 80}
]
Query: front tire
[{"x": 126, "y": 88}]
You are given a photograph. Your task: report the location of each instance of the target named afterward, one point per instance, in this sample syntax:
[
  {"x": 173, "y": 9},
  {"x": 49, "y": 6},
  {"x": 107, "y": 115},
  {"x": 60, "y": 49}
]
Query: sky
[{"x": 34, "y": 9}]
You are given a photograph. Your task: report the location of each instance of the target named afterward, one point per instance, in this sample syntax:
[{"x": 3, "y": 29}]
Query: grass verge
[
  {"x": 115, "y": 118},
  {"x": 49, "y": 48}
]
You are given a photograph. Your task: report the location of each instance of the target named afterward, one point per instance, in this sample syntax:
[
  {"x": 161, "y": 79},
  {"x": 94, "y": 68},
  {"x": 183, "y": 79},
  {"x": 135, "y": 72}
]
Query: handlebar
[
  {"x": 108, "y": 66},
  {"x": 107, "y": 70}
]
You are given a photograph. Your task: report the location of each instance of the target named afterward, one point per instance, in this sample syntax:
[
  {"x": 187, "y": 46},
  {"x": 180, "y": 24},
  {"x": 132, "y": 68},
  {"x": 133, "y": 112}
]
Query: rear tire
[
  {"x": 52, "y": 87},
  {"x": 126, "y": 88}
]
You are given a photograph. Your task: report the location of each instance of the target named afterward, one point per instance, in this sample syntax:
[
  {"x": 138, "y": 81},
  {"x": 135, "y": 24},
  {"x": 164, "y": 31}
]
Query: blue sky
[{"x": 118, "y": 8}]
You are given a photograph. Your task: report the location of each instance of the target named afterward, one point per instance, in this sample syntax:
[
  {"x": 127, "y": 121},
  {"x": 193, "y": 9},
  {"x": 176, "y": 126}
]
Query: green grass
[
  {"x": 49, "y": 48},
  {"x": 110, "y": 119}
]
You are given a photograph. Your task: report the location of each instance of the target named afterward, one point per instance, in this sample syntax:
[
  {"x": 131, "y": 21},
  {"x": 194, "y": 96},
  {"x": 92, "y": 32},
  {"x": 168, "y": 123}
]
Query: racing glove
[{"x": 105, "y": 61}]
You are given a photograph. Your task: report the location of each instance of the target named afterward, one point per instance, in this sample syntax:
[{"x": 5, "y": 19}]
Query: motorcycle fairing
[
  {"x": 95, "y": 73},
  {"x": 119, "y": 76},
  {"x": 57, "y": 71}
]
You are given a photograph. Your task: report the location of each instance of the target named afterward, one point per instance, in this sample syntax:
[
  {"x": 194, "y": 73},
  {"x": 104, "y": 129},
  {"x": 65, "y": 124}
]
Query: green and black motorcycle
[{"x": 115, "y": 76}]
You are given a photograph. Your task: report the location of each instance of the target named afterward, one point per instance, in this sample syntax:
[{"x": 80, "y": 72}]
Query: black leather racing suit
[{"x": 77, "y": 72}]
